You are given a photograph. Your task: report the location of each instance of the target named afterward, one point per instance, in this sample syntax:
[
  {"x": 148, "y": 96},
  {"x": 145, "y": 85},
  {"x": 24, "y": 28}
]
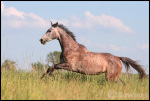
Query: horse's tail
[{"x": 127, "y": 62}]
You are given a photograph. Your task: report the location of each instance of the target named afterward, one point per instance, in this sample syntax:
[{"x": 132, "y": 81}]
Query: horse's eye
[{"x": 48, "y": 30}]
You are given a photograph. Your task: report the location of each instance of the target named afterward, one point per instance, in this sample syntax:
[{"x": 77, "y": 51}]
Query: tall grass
[{"x": 22, "y": 85}]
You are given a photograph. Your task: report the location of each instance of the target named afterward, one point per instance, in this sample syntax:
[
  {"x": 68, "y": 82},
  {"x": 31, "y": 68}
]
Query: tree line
[{"x": 52, "y": 58}]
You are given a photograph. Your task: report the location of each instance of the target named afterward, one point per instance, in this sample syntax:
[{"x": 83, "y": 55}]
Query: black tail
[{"x": 127, "y": 62}]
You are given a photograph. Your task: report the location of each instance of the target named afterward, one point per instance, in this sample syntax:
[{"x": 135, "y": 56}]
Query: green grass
[{"x": 22, "y": 85}]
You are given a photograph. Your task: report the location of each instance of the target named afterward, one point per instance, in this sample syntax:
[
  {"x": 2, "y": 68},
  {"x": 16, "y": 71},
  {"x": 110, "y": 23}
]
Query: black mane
[{"x": 67, "y": 31}]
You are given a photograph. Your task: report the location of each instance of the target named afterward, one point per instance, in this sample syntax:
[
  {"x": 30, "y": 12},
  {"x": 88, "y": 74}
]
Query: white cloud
[
  {"x": 91, "y": 45},
  {"x": 16, "y": 19},
  {"x": 102, "y": 20},
  {"x": 80, "y": 23},
  {"x": 103, "y": 47},
  {"x": 143, "y": 46},
  {"x": 11, "y": 11},
  {"x": 38, "y": 20},
  {"x": 114, "y": 48}
]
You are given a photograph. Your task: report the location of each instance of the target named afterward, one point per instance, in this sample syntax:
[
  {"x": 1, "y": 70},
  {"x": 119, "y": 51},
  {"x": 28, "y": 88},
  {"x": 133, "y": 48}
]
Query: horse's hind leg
[
  {"x": 115, "y": 79},
  {"x": 120, "y": 81},
  {"x": 49, "y": 71},
  {"x": 114, "y": 70}
]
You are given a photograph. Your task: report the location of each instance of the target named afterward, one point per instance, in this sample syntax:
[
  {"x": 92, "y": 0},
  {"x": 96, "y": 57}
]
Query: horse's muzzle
[{"x": 42, "y": 41}]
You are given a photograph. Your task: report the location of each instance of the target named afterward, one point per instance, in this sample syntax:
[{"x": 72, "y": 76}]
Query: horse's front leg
[
  {"x": 49, "y": 71},
  {"x": 66, "y": 66}
]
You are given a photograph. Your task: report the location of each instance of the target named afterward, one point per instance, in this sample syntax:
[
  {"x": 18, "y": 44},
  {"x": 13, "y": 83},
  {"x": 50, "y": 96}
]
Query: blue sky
[{"x": 120, "y": 28}]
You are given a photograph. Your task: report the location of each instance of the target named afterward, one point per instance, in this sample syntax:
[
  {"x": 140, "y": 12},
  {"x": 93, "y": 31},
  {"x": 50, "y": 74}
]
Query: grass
[{"x": 22, "y": 85}]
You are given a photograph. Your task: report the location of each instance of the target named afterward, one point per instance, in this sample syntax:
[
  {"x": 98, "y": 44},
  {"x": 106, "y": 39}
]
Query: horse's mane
[{"x": 67, "y": 31}]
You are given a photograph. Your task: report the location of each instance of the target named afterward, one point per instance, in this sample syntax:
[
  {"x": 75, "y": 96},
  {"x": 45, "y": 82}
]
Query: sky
[{"x": 117, "y": 27}]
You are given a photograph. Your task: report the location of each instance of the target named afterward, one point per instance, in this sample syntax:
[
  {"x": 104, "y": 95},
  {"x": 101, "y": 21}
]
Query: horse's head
[{"x": 51, "y": 34}]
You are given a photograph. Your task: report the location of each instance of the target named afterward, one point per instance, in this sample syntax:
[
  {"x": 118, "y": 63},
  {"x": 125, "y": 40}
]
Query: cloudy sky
[{"x": 120, "y": 28}]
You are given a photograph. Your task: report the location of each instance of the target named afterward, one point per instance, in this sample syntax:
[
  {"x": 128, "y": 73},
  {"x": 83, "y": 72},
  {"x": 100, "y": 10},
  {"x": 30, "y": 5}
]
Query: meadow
[{"x": 27, "y": 85}]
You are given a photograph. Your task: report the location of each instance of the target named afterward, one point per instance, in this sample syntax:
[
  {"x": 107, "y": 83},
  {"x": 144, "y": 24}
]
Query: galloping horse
[{"x": 75, "y": 57}]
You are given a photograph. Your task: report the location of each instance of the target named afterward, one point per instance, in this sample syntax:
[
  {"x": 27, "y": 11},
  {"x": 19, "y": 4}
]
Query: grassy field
[{"x": 22, "y": 85}]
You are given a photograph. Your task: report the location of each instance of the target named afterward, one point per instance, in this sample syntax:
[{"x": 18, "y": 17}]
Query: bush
[{"x": 8, "y": 64}]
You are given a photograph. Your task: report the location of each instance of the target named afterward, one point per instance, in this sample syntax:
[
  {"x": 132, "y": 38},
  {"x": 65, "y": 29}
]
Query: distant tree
[
  {"x": 53, "y": 57},
  {"x": 38, "y": 67},
  {"x": 9, "y": 64}
]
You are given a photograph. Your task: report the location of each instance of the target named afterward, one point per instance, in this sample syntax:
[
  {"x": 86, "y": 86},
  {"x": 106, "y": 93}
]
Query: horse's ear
[
  {"x": 51, "y": 23},
  {"x": 56, "y": 24}
]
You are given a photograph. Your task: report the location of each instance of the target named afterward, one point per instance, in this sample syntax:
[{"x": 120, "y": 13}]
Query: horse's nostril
[{"x": 41, "y": 40}]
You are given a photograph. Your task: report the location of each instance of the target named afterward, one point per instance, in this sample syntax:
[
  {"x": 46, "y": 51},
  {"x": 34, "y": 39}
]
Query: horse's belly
[{"x": 89, "y": 68}]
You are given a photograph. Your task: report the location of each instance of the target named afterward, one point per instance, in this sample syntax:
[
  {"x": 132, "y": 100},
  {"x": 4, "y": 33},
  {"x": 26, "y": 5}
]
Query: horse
[{"x": 77, "y": 58}]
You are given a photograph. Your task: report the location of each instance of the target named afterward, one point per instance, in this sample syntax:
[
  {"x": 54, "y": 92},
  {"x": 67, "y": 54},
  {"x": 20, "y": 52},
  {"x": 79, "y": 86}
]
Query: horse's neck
[{"x": 66, "y": 41}]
